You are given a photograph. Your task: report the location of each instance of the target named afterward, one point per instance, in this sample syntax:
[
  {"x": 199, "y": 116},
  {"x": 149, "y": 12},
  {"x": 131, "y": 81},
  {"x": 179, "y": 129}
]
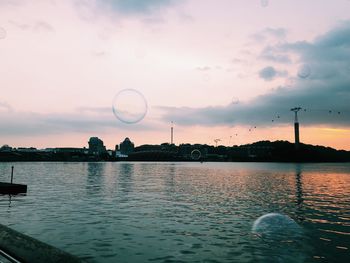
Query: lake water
[{"x": 183, "y": 212}]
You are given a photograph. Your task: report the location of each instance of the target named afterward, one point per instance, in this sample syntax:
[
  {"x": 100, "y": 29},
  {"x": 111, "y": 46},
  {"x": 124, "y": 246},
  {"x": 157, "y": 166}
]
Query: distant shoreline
[
  {"x": 172, "y": 161},
  {"x": 263, "y": 151}
]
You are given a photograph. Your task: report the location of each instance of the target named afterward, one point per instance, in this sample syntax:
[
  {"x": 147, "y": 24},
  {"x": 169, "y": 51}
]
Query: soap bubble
[
  {"x": 2, "y": 33},
  {"x": 304, "y": 71},
  {"x": 264, "y": 3},
  {"x": 196, "y": 154},
  {"x": 282, "y": 239},
  {"x": 129, "y": 106},
  {"x": 276, "y": 226}
]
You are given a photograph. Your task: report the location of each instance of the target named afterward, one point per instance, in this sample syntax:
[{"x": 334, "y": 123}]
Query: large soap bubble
[
  {"x": 282, "y": 239},
  {"x": 2, "y": 33},
  {"x": 304, "y": 71},
  {"x": 276, "y": 226},
  {"x": 129, "y": 106}
]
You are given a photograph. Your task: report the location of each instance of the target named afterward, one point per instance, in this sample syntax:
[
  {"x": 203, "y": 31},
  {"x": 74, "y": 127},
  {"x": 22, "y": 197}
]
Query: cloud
[
  {"x": 5, "y": 107},
  {"x": 269, "y": 73},
  {"x": 204, "y": 68},
  {"x": 270, "y": 33},
  {"x": 37, "y": 26},
  {"x": 324, "y": 95},
  {"x": 98, "y": 53},
  {"x": 43, "y": 26},
  {"x": 148, "y": 12},
  {"x": 21, "y": 26},
  {"x": 83, "y": 120},
  {"x": 276, "y": 32},
  {"x": 137, "y": 6},
  {"x": 274, "y": 54},
  {"x": 11, "y": 2},
  {"x": 126, "y": 7}
]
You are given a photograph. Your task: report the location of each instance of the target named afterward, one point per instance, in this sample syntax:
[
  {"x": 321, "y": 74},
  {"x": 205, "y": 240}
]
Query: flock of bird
[{"x": 276, "y": 119}]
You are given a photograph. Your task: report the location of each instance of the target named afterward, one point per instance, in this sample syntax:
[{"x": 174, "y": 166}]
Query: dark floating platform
[{"x": 8, "y": 188}]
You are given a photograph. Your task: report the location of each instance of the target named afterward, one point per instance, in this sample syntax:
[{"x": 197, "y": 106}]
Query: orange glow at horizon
[{"x": 337, "y": 138}]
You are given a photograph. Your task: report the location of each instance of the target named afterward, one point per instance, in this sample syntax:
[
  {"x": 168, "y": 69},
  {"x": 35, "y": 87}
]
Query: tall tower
[
  {"x": 172, "y": 133},
  {"x": 296, "y": 127}
]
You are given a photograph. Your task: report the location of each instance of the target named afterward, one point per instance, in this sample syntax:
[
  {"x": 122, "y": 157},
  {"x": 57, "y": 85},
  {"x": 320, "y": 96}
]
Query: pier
[{"x": 16, "y": 247}]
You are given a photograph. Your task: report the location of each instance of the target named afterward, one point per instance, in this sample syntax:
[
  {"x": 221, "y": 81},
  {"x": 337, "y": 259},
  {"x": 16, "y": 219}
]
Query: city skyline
[{"x": 230, "y": 71}]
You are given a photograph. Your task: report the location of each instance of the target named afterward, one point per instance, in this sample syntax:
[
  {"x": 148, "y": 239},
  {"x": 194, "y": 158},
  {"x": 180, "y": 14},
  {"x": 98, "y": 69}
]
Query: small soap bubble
[
  {"x": 304, "y": 71},
  {"x": 2, "y": 33},
  {"x": 264, "y": 3},
  {"x": 129, "y": 106},
  {"x": 196, "y": 154}
]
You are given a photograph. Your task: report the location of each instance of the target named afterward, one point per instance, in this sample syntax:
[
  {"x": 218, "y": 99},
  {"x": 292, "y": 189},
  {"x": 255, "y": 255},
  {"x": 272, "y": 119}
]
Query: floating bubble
[
  {"x": 304, "y": 71},
  {"x": 2, "y": 33},
  {"x": 196, "y": 154},
  {"x": 129, "y": 106},
  {"x": 264, "y": 3},
  {"x": 276, "y": 226},
  {"x": 282, "y": 239}
]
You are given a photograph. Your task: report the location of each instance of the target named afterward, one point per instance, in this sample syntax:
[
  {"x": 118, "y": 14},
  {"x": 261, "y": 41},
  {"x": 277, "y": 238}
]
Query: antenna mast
[
  {"x": 296, "y": 127},
  {"x": 172, "y": 133}
]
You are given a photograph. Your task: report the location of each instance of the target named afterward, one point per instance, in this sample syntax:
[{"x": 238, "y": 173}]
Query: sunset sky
[{"x": 228, "y": 69}]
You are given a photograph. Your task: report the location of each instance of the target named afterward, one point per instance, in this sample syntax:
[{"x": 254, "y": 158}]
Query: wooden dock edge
[{"x": 27, "y": 249}]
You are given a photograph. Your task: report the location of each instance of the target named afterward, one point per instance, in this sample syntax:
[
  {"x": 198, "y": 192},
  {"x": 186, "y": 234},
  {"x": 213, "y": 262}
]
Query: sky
[{"x": 228, "y": 70}]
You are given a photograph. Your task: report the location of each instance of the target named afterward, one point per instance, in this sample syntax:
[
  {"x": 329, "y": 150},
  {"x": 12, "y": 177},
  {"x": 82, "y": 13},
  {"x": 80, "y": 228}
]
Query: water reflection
[
  {"x": 299, "y": 192},
  {"x": 95, "y": 173},
  {"x": 125, "y": 180},
  {"x": 185, "y": 212},
  {"x": 169, "y": 180},
  {"x": 285, "y": 242}
]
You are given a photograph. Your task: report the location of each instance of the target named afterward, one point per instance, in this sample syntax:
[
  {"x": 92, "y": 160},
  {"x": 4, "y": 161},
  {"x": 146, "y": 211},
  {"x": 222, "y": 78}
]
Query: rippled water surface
[{"x": 182, "y": 212}]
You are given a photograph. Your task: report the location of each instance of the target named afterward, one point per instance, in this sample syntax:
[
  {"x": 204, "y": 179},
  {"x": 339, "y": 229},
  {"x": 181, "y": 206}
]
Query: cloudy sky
[{"x": 228, "y": 69}]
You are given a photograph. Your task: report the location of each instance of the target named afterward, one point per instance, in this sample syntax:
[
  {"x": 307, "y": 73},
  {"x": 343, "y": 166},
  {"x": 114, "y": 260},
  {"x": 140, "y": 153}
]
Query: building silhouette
[
  {"x": 96, "y": 146},
  {"x": 126, "y": 147}
]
